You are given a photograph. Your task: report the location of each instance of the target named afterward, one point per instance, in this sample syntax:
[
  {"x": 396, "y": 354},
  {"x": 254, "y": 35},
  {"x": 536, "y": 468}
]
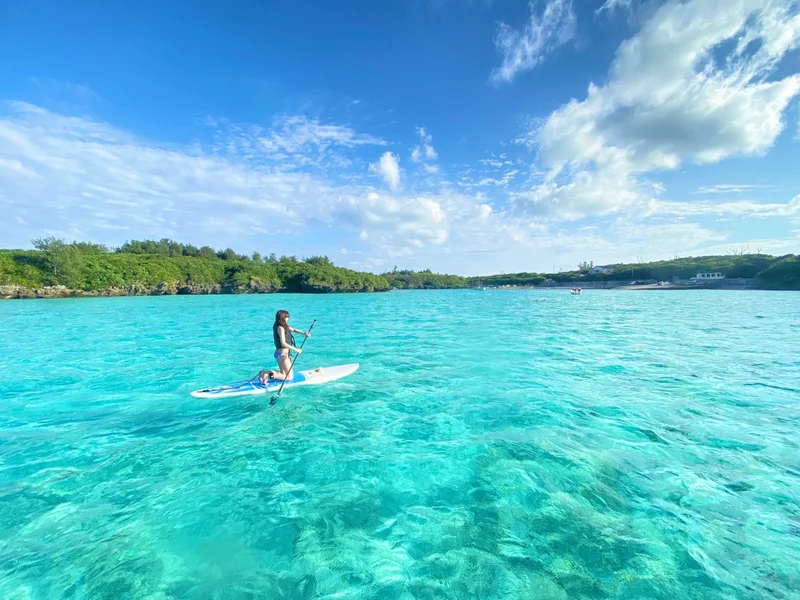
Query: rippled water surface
[{"x": 495, "y": 444}]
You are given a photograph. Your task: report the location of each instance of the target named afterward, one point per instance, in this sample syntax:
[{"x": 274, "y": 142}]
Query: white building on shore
[
  {"x": 702, "y": 277},
  {"x": 604, "y": 269}
]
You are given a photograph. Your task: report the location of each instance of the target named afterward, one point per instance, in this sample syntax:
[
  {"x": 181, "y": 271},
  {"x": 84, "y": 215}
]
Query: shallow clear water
[{"x": 494, "y": 444}]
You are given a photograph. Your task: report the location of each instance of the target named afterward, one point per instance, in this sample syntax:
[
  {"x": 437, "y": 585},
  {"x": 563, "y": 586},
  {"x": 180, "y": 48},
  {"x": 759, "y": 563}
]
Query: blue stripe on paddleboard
[{"x": 247, "y": 386}]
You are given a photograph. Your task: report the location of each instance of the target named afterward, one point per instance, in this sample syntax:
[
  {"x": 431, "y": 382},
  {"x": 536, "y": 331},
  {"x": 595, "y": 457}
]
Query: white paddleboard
[{"x": 248, "y": 388}]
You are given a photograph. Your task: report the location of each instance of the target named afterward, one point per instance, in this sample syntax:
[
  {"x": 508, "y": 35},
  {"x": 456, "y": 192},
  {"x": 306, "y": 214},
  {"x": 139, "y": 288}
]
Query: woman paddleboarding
[
  {"x": 269, "y": 380},
  {"x": 284, "y": 343}
]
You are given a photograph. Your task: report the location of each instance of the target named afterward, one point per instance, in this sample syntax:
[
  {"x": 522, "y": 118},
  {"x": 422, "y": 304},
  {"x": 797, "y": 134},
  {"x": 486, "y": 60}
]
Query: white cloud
[
  {"x": 664, "y": 239},
  {"x": 671, "y": 98},
  {"x": 388, "y": 167},
  {"x": 740, "y": 208},
  {"x": 291, "y": 140},
  {"x": 424, "y": 151},
  {"x": 504, "y": 181},
  {"x": 551, "y": 24},
  {"x": 78, "y": 178},
  {"x": 295, "y": 133},
  {"x": 16, "y": 167},
  {"x": 587, "y": 192},
  {"x": 727, "y": 188},
  {"x": 396, "y": 222},
  {"x": 774, "y": 246},
  {"x": 83, "y": 179},
  {"x": 612, "y": 5},
  {"x": 491, "y": 162}
]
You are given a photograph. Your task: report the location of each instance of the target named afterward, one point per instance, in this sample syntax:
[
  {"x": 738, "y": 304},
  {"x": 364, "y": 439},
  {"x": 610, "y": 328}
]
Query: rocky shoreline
[{"x": 14, "y": 292}]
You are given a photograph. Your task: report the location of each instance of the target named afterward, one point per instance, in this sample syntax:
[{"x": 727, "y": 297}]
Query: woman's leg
[
  {"x": 285, "y": 364},
  {"x": 283, "y": 367}
]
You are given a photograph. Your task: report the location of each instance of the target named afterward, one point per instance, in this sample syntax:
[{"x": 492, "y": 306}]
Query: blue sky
[{"x": 463, "y": 136}]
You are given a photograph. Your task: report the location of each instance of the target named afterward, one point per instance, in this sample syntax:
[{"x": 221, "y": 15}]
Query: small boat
[{"x": 575, "y": 291}]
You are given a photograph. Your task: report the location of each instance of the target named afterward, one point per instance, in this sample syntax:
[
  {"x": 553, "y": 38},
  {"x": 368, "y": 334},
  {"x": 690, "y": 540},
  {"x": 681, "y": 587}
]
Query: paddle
[{"x": 274, "y": 399}]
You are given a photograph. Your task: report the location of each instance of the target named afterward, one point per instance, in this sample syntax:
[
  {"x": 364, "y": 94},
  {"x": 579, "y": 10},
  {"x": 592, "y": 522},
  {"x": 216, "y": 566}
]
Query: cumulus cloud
[
  {"x": 436, "y": 223},
  {"x": 417, "y": 221},
  {"x": 585, "y": 192},
  {"x": 551, "y": 24},
  {"x": 388, "y": 167},
  {"x": 695, "y": 85}
]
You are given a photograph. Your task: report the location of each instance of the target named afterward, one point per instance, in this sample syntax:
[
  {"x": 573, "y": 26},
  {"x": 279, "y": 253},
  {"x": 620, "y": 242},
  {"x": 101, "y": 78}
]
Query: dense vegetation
[
  {"x": 515, "y": 279},
  {"x": 82, "y": 266},
  {"x": 732, "y": 266},
  {"x": 773, "y": 272},
  {"x": 425, "y": 280},
  {"x": 783, "y": 273},
  {"x": 184, "y": 268}
]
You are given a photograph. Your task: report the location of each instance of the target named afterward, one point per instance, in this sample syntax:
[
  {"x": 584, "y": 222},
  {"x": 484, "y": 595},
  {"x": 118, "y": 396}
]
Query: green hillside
[
  {"x": 87, "y": 267},
  {"x": 774, "y": 272},
  {"x": 183, "y": 268}
]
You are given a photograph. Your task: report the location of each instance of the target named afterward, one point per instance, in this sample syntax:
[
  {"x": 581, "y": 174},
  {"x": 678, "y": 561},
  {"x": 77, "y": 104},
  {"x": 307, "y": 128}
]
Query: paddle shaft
[{"x": 291, "y": 364}]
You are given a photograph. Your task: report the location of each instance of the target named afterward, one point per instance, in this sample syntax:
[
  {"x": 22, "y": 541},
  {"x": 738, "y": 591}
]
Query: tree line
[
  {"x": 86, "y": 266},
  {"x": 168, "y": 247},
  {"x": 772, "y": 271}
]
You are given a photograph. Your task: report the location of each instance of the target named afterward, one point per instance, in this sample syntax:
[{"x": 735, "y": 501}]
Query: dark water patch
[
  {"x": 740, "y": 486},
  {"x": 652, "y": 436},
  {"x": 773, "y": 387},
  {"x": 733, "y": 445}
]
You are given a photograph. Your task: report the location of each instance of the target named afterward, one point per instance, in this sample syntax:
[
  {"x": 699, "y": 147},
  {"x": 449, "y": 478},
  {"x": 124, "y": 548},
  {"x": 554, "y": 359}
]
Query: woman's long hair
[{"x": 281, "y": 317}]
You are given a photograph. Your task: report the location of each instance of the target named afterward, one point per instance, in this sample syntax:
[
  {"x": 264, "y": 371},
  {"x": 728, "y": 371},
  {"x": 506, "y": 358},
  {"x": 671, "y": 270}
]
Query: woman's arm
[{"x": 304, "y": 333}]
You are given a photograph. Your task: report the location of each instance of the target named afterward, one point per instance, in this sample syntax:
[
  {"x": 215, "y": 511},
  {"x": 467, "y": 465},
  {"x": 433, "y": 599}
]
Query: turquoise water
[{"x": 494, "y": 444}]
